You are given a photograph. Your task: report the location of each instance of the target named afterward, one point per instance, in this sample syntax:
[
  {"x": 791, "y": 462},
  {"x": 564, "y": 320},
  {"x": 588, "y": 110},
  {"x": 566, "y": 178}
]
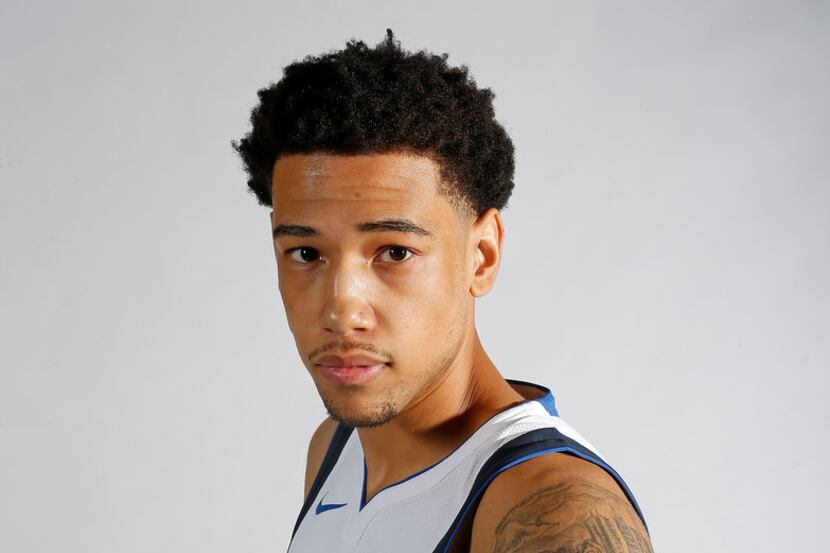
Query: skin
[
  {"x": 407, "y": 297},
  {"x": 556, "y": 503}
]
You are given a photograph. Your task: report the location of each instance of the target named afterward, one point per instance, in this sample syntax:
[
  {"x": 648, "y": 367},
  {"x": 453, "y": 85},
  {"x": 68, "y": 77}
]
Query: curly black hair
[{"x": 362, "y": 100}]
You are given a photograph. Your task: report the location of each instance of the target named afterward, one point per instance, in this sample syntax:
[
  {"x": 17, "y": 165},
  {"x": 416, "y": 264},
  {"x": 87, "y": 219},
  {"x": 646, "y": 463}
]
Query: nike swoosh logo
[{"x": 327, "y": 507}]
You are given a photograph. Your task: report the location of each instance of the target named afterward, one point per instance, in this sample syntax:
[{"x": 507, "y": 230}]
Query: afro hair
[{"x": 362, "y": 100}]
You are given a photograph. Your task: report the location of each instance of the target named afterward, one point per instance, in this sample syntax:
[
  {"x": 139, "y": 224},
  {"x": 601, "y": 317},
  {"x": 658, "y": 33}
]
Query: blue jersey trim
[
  {"x": 547, "y": 400},
  {"x": 363, "y": 492}
]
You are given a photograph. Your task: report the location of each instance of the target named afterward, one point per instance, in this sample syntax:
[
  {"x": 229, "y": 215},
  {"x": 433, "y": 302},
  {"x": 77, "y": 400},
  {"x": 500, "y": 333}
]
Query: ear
[{"x": 486, "y": 236}]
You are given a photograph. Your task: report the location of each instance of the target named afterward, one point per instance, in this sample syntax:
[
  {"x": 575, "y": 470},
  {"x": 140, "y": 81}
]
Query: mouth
[
  {"x": 351, "y": 370},
  {"x": 351, "y": 375}
]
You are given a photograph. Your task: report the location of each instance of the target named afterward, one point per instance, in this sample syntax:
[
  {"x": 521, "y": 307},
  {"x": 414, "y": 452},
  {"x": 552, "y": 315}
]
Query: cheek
[
  {"x": 296, "y": 301},
  {"x": 428, "y": 300}
]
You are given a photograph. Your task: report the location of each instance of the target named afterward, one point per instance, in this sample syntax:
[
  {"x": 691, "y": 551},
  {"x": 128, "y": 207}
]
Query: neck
[{"x": 463, "y": 397}]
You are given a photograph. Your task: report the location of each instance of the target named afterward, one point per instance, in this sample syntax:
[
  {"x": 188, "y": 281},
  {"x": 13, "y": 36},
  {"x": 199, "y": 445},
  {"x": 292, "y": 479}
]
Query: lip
[
  {"x": 350, "y": 370},
  {"x": 349, "y": 361}
]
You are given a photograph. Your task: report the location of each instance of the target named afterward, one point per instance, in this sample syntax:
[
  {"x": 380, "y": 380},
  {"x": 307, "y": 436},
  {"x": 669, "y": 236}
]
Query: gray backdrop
[{"x": 665, "y": 266}]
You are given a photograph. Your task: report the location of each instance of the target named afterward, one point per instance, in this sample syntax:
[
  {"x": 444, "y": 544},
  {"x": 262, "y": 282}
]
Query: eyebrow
[{"x": 383, "y": 225}]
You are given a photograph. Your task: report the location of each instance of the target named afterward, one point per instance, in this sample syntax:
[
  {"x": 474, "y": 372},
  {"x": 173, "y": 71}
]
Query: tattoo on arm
[{"x": 577, "y": 517}]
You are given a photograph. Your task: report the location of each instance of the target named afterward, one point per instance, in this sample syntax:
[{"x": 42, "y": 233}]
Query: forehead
[{"x": 392, "y": 178}]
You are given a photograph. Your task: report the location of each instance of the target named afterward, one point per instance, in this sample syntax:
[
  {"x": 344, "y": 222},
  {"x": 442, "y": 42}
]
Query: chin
[{"x": 361, "y": 416}]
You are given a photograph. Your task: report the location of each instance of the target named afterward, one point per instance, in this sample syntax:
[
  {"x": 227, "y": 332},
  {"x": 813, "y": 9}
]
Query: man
[{"x": 386, "y": 171}]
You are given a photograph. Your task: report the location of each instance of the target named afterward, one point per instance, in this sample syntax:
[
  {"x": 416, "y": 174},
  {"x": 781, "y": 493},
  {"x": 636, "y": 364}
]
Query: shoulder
[
  {"x": 317, "y": 450},
  {"x": 557, "y": 502}
]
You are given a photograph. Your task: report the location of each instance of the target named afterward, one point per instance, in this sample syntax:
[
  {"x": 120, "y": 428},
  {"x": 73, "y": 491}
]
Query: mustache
[{"x": 348, "y": 345}]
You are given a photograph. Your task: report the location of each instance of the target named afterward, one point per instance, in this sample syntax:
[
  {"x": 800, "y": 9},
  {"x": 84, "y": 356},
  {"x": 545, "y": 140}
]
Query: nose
[{"x": 346, "y": 309}]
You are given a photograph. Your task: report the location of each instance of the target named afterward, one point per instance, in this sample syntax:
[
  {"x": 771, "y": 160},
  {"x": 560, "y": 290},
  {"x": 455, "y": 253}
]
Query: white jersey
[{"x": 421, "y": 513}]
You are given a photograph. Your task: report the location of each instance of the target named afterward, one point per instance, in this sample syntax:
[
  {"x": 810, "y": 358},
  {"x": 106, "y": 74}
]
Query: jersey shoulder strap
[{"x": 526, "y": 446}]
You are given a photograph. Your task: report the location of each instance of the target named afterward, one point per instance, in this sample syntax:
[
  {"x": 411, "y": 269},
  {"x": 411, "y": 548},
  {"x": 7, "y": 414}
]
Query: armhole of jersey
[
  {"x": 524, "y": 447},
  {"x": 338, "y": 440}
]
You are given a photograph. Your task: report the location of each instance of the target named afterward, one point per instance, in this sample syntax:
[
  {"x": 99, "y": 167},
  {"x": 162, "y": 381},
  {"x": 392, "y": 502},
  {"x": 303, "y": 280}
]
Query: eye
[
  {"x": 397, "y": 254},
  {"x": 303, "y": 254}
]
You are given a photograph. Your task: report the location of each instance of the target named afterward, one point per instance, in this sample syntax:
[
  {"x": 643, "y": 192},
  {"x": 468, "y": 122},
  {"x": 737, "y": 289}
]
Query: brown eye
[
  {"x": 304, "y": 254},
  {"x": 396, "y": 254}
]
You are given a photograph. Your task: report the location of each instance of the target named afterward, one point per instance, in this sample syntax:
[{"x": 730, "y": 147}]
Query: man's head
[{"x": 386, "y": 171}]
